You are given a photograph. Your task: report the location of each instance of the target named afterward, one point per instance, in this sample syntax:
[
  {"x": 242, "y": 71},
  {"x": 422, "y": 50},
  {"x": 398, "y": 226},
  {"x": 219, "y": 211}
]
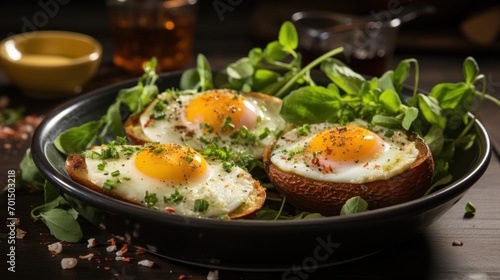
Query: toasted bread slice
[
  {"x": 77, "y": 169},
  {"x": 328, "y": 198}
]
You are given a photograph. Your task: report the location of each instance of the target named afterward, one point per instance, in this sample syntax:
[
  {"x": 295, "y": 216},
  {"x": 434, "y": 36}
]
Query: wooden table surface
[{"x": 431, "y": 255}]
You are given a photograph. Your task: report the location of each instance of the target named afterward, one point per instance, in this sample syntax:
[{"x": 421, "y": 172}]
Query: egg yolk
[
  {"x": 171, "y": 162},
  {"x": 344, "y": 144},
  {"x": 221, "y": 112}
]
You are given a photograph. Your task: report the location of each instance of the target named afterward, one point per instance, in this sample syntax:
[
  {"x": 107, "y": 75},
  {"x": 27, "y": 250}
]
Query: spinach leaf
[
  {"x": 343, "y": 76},
  {"x": 189, "y": 79},
  {"x": 435, "y": 139},
  {"x": 386, "y": 121},
  {"x": 354, "y": 205},
  {"x": 275, "y": 52},
  {"x": 400, "y": 75},
  {"x": 62, "y": 225},
  {"x": 288, "y": 36},
  {"x": 114, "y": 122},
  {"x": 29, "y": 173},
  {"x": 204, "y": 72},
  {"x": 79, "y": 138},
  {"x": 311, "y": 104},
  {"x": 411, "y": 114},
  {"x": 241, "y": 69},
  {"x": 429, "y": 107},
  {"x": 264, "y": 77},
  {"x": 471, "y": 70},
  {"x": 50, "y": 192},
  {"x": 452, "y": 95},
  {"x": 58, "y": 216},
  {"x": 390, "y": 101}
]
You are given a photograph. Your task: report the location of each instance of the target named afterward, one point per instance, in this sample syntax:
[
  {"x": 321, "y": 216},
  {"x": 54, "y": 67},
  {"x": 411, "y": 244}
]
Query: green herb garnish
[
  {"x": 159, "y": 110},
  {"x": 111, "y": 184},
  {"x": 201, "y": 205},
  {"x": 227, "y": 125},
  {"x": 470, "y": 208},
  {"x": 304, "y": 130},
  {"x": 230, "y": 157},
  {"x": 175, "y": 197},
  {"x": 150, "y": 200}
]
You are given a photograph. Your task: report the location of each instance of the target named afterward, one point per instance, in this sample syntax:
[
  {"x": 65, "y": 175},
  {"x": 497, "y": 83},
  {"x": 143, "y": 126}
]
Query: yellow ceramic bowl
[{"x": 50, "y": 64}]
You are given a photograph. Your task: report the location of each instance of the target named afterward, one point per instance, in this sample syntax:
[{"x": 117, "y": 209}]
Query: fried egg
[
  {"x": 349, "y": 153},
  {"x": 169, "y": 177},
  {"x": 244, "y": 121}
]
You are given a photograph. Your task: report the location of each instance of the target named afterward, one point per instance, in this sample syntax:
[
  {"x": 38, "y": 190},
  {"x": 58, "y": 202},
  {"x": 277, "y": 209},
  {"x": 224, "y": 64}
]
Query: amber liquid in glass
[{"x": 136, "y": 40}]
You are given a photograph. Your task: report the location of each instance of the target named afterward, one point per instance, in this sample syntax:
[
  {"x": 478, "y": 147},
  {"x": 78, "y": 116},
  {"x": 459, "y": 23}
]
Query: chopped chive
[
  {"x": 151, "y": 200},
  {"x": 200, "y": 205},
  {"x": 264, "y": 133},
  {"x": 304, "y": 130},
  {"x": 175, "y": 197}
]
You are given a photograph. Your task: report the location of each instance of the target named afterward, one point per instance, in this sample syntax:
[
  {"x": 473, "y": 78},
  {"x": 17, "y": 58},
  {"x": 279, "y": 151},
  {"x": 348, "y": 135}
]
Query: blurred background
[{"x": 227, "y": 29}]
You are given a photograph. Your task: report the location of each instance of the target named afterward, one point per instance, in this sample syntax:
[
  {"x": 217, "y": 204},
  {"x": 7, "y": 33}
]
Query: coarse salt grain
[
  {"x": 213, "y": 275},
  {"x": 91, "y": 243},
  {"x": 111, "y": 248},
  {"x": 146, "y": 263},
  {"x": 68, "y": 263},
  {"x": 55, "y": 248}
]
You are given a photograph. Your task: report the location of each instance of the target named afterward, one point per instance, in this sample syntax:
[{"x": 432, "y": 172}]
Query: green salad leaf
[{"x": 354, "y": 205}]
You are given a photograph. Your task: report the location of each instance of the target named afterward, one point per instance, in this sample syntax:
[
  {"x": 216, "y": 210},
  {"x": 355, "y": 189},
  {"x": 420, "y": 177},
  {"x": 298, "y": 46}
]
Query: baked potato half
[{"x": 328, "y": 198}]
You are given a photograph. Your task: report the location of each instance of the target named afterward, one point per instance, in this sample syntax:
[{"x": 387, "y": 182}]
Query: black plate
[{"x": 237, "y": 244}]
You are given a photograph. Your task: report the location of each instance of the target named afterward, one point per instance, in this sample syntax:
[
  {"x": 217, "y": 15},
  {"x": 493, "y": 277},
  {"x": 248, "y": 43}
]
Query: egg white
[
  {"x": 398, "y": 154},
  {"x": 173, "y": 128},
  {"x": 225, "y": 191}
]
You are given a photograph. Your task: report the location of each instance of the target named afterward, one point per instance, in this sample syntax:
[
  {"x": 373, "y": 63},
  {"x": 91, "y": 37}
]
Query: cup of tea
[
  {"x": 142, "y": 29},
  {"x": 368, "y": 44}
]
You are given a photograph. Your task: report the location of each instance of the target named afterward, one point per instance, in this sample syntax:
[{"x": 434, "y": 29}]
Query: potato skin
[
  {"x": 328, "y": 198},
  {"x": 77, "y": 169}
]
